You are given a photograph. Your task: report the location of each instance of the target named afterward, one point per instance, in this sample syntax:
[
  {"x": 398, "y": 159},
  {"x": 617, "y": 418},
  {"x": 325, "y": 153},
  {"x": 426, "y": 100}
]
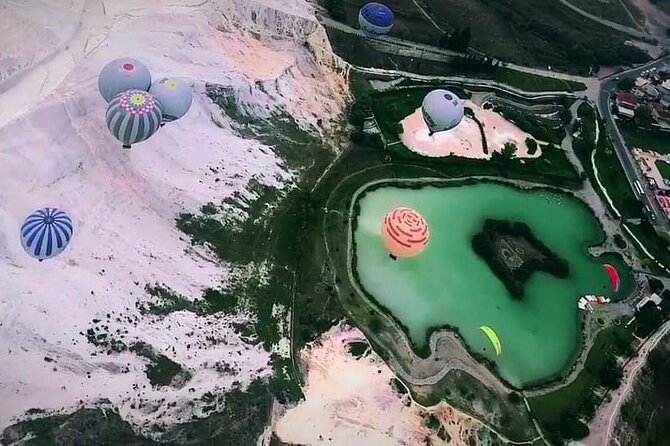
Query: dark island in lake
[{"x": 513, "y": 253}]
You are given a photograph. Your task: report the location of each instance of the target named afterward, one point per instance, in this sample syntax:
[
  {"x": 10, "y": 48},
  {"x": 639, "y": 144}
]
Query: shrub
[{"x": 532, "y": 146}]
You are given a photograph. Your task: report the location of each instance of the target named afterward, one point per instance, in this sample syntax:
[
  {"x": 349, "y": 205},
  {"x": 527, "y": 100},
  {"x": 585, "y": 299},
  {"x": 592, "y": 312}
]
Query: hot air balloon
[
  {"x": 175, "y": 97},
  {"x": 493, "y": 337},
  {"x": 375, "y": 19},
  {"x": 442, "y": 110},
  {"x": 405, "y": 232},
  {"x": 123, "y": 74},
  {"x": 613, "y": 275},
  {"x": 133, "y": 116},
  {"x": 46, "y": 233}
]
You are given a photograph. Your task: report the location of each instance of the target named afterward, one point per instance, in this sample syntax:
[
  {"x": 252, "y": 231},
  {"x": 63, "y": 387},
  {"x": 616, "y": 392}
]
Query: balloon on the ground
[
  {"x": 123, "y": 74},
  {"x": 613, "y": 276},
  {"x": 133, "y": 116},
  {"x": 46, "y": 233},
  {"x": 405, "y": 232},
  {"x": 442, "y": 110},
  {"x": 493, "y": 337},
  {"x": 174, "y": 95},
  {"x": 375, "y": 18}
]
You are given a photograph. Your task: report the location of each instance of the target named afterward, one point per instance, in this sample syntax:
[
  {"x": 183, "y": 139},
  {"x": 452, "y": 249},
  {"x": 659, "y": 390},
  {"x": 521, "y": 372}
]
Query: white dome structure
[{"x": 442, "y": 110}]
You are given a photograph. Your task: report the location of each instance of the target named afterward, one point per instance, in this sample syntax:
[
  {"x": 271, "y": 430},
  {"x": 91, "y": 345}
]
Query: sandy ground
[
  {"x": 350, "y": 401},
  {"x": 465, "y": 139},
  {"x": 55, "y": 150}
]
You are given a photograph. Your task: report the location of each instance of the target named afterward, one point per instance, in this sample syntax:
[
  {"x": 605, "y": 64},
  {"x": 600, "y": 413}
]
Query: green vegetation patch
[
  {"x": 609, "y": 168},
  {"x": 514, "y": 253},
  {"x": 655, "y": 244},
  {"x": 536, "y": 32},
  {"x": 102, "y": 427},
  {"x": 540, "y": 128},
  {"x": 560, "y": 412},
  {"x": 612, "y": 10},
  {"x": 648, "y": 139},
  {"x": 240, "y": 422},
  {"x": 165, "y": 301},
  {"x": 462, "y": 390},
  {"x": 161, "y": 370},
  {"x": 664, "y": 169},
  {"x": 645, "y": 416},
  {"x": 532, "y": 82}
]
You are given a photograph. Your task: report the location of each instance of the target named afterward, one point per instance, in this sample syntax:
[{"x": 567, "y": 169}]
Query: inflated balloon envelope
[
  {"x": 405, "y": 232},
  {"x": 174, "y": 95},
  {"x": 133, "y": 116},
  {"x": 375, "y": 19},
  {"x": 123, "y": 74},
  {"x": 46, "y": 232}
]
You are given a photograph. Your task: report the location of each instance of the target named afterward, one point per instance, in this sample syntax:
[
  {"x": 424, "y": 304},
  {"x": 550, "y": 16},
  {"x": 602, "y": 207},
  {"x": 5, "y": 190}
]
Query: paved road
[{"x": 625, "y": 157}]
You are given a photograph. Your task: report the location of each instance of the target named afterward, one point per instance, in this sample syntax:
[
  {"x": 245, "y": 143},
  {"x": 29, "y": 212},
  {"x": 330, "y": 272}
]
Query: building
[
  {"x": 665, "y": 100},
  {"x": 660, "y": 113},
  {"x": 655, "y": 298},
  {"x": 650, "y": 92},
  {"x": 665, "y": 87},
  {"x": 626, "y": 104}
]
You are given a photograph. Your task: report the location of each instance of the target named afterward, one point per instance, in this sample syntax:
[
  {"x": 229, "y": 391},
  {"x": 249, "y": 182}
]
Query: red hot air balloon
[
  {"x": 613, "y": 275},
  {"x": 405, "y": 232}
]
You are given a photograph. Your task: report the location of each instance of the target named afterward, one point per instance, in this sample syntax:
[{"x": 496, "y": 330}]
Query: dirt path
[{"x": 602, "y": 424}]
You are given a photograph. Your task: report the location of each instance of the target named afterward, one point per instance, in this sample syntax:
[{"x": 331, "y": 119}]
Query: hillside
[{"x": 133, "y": 313}]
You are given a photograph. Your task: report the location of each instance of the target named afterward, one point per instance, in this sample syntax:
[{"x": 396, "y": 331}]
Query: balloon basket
[
  {"x": 125, "y": 146},
  {"x": 394, "y": 258}
]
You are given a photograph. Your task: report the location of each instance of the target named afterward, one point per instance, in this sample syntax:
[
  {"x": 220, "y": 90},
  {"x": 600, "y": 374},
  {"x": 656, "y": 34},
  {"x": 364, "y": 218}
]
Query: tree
[
  {"x": 336, "y": 9},
  {"x": 508, "y": 151},
  {"x": 643, "y": 116},
  {"x": 655, "y": 285},
  {"x": 626, "y": 84},
  {"x": 532, "y": 146},
  {"x": 464, "y": 42}
]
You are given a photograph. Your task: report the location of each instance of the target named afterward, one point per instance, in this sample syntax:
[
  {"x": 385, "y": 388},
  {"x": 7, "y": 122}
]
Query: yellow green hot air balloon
[{"x": 493, "y": 337}]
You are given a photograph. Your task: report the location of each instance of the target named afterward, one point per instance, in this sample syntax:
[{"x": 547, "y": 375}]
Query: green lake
[{"x": 448, "y": 284}]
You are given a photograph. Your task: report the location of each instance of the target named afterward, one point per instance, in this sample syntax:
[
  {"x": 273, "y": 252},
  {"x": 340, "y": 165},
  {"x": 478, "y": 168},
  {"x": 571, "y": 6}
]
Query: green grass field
[
  {"x": 577, "y": 398},
  {"x": 611, "y": 10},
  {"x": 648, "y": 139},
  {"x": 664, "y": 168},
  {"x": 531, "y": 82}
]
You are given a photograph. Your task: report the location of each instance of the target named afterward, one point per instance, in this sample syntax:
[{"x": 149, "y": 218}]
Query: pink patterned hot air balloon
[{"x": 405, "y": 232}]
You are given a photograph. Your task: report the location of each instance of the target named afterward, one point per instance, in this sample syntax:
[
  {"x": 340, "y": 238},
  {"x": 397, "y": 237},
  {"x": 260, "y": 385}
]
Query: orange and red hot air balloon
[{"x": 405, "y": 232}]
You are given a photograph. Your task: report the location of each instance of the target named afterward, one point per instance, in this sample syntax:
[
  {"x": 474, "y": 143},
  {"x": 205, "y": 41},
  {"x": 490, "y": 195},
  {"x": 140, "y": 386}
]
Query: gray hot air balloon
[
  {"x": 123, "y": 74},
  {"x": 442, "y": 110},
  {"x": 175, "y": 97},
  {"x": 133, "y": 116}
]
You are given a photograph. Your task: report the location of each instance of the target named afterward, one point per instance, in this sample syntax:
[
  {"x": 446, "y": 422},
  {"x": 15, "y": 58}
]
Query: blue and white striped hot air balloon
[
  {"x": 375, "y": 18},
  {"x": 46, "y": 233},
  {"x": 174, "y": 95},
  {"x": 133, "y": 116}
]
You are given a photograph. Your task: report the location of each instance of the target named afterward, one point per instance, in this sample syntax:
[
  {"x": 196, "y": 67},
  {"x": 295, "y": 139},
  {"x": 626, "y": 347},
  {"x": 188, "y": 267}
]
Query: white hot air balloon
[{"x": 442, "y": 110}]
